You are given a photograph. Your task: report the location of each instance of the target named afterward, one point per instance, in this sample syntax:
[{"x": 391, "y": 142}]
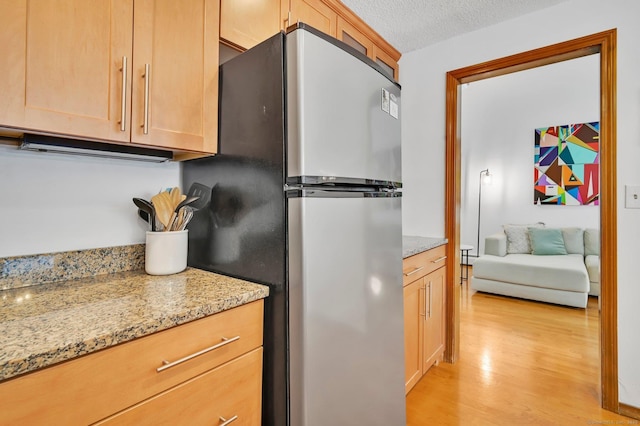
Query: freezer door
[
  {"x": 343, "y": 114},
  {"x": 346, "y": 311}
]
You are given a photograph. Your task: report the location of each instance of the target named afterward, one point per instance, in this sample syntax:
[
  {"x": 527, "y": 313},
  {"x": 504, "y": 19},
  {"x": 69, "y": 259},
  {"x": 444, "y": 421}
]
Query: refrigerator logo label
[
  {"x": 393, "y": 106},
  {"x": 389, "y": 103}
]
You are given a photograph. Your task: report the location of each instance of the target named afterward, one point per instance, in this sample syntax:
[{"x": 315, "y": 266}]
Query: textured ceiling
[{"x": 413, "y": 24}]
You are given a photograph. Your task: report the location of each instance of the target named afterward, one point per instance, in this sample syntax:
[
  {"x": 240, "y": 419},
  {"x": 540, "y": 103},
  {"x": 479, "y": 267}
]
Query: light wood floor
[{"x": 521, "y": 363}]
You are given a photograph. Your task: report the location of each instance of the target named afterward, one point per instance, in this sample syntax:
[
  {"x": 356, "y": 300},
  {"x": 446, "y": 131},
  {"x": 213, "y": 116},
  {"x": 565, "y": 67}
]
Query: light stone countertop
[
  {"x": 46, "y": 324},
  {"x": 412, "y": 245}
]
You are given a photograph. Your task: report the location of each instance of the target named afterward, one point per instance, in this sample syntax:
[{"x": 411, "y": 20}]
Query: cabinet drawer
[
  {"x": 419, "y": 265},
  {"x": 233, "y": 389},
  {"x": 90, "y": 388}
]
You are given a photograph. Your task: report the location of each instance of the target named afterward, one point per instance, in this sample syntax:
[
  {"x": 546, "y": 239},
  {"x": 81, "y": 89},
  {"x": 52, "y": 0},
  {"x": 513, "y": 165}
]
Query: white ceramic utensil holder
[{"x": 166, "y": 252}]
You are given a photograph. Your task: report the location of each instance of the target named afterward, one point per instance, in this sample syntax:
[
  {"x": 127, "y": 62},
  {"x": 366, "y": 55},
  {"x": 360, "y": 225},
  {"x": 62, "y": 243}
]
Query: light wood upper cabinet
[
  {"x": 315, "y": 13},
  {"x": 359, "y": 41},
  {"x": 175, "y": 105},
  {"x": 354, "y": 38},
  {"x": 245, "y": 23},
  {"x": 12, "y": 72},
  {"x": 77, "y": 68},
  {"x": 61, "y": 66},
  {"x": 387, "y": 63}
]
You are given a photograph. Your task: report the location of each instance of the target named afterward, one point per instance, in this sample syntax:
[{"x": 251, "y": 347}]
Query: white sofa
[{"x": 565, "y": 279}]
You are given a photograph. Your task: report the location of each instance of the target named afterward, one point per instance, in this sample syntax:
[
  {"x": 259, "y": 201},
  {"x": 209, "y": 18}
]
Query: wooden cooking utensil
[
  {"x": 164, "y": 208},
  {"x": 174, "y": 199}
]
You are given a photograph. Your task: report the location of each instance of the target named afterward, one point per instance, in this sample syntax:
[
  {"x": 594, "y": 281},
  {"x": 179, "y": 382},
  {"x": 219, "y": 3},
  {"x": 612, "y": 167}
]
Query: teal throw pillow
[{"x": 546, "y": 241}]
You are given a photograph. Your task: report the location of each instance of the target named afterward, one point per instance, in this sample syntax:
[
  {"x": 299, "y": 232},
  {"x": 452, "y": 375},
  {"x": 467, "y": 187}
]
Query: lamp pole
[{"x": 484, "y": 172}]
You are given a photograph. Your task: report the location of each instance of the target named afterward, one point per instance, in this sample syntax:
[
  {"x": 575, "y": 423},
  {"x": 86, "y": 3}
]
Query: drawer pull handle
[
  {"x": 438, "y": 260},
  {"x": 226, "y": 422},
  {"x": 414, "y": 271},
  {"x": 167, "y": 364}
]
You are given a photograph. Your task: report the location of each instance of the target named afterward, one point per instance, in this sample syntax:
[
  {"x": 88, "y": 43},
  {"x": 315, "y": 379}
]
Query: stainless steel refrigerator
[{"x": 304, "y": 197}]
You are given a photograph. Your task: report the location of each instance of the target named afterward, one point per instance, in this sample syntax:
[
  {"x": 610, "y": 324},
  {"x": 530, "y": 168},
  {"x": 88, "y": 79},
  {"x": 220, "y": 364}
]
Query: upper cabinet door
[
  {"x": 386, "y": 62},
  {"x": 314, "y": 13},
  {"x": 359, "y": 41},
  {"x": 13, "y": 21},
  {"x": 61, "y": 66},
  {"x": 354, "y": 38},
  {"x": 175, "y": 74},
  {"x": 245, "y": 23}
]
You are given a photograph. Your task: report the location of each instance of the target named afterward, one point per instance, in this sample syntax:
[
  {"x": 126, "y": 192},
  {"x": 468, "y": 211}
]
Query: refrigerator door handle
[
  {"x": 304, "y": 192},
  {"x": 341, "y": 181}
]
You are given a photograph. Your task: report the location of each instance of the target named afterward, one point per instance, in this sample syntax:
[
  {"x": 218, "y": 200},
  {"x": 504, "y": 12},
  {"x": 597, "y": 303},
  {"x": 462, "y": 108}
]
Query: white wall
[
  {"x": 56, "y": 202},
  {"x": 53, "y": 202},
  {"x": 499, "y": 116},
  {"x": 423, "y": 83}
]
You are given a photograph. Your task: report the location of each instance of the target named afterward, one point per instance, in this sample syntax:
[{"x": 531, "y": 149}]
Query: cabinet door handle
[
  {"x": 123, "y": 96},
  {"x": 425, "y": 303},
  {"x": 438, "y": 260},
  {"x": 167, "y": 364},
  {"x": 423, "y": 313},
  {"x": 414, "y": 271},
  {"x": 226, "y": 422},
  {"x": 428, "y": 313},
  {"x": 430, "y": 298},
  {"x": 147, "y": 77}
]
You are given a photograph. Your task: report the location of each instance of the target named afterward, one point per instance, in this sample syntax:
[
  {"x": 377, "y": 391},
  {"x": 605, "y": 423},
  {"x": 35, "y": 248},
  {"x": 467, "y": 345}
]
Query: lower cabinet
[
  {"x": 434, "y": 319},
  {"x": 424, "y": 313},
  {"x": 225, "y": 394},
  {"x": 197, "y": 373},
  {"x": 413, "y": 332}
]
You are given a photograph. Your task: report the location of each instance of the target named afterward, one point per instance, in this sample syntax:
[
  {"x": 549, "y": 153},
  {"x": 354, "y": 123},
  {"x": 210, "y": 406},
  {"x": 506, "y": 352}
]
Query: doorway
[{"x": 603, "y": 43}]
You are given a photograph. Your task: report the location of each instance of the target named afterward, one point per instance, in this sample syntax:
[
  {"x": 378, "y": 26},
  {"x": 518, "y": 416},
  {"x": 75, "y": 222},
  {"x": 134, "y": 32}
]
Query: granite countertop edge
[
  {"x": 28, "y": 344},
  {"x": 412, "y": 245}
]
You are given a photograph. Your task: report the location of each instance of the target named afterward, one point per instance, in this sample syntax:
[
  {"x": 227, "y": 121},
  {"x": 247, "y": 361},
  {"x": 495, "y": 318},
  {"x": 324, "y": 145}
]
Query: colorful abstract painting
[{"x": 567, "y": 168}]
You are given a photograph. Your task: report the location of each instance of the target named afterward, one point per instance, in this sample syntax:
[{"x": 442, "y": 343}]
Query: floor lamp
[{"x": 485, "y": 177}]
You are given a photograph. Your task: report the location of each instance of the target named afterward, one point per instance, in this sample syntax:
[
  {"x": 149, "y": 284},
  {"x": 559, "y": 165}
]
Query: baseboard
[{"x": 629, "y": 411}]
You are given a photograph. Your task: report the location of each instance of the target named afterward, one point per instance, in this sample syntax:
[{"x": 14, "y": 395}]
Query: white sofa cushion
[
  {"x": 592, "y": 262},
  {"x": 496, "y": 244},
  {"x": 593, "y": 267},
  {"x": 591, "y": 241},
  {"x": 562, "y": 272},
  {"x": 573, "y": 240},
  {"x": 550, "y": 295}
]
